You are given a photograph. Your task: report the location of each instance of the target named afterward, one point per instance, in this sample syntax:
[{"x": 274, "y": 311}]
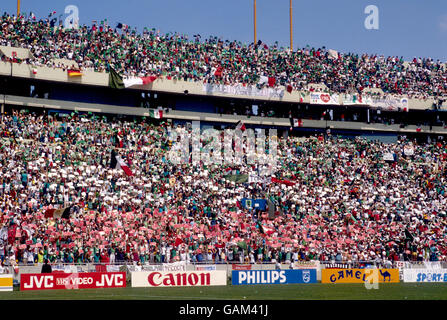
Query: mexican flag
[
  {"x": 116, "y": 81},
  {"x": 240, "y": 126},
  {"x": 217, "y": 71},
  {"x": 357, "y": 99},
  {"x": 138, "y": 81},
  {"x": 302, "y": 95},
  {"x": 266, "y": 229},
  {"x": 156, "y": 114},
  {"x": 116, "y": 162},
  {"x": 296, "y": 122},
  {"x": 63, "y": 213}
]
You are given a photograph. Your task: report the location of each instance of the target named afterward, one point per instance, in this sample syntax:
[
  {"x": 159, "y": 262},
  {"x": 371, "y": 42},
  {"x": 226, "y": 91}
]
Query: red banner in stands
[{"x": 85, "y": 280}]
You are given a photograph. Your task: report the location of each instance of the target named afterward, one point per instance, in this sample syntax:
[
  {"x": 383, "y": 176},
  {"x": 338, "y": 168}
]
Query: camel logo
[
  {"x": 306, "y": 276},
  {"x": 386, "y": 275}
]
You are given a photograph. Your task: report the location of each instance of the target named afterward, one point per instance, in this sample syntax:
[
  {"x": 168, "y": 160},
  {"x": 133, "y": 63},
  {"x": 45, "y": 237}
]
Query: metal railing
[{"x": 260, "y": 264}]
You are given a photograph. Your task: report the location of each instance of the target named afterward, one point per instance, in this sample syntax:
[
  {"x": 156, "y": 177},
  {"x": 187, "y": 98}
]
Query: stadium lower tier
[{"x": 90, "y": 189}]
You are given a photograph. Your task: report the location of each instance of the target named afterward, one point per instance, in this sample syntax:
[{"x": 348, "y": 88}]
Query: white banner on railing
[
  {"x": 324, "y": 98},
  {"x": 425, "y": 275},
  {"x": 210, "y": 267},
  {"x": 313, "y": 264},
  {"x": 174, "y": 266},
  {"x": 113, "y": 268},
  {"x": 239, "y": 89},
  {"x": 355, "y": 99},
  {"x": 389, "y": 103}
]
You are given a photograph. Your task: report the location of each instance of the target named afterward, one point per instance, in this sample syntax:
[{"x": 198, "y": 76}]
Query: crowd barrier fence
[{"x": 19, "y": 269}]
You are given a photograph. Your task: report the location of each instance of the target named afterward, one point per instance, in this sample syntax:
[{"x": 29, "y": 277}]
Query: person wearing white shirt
[
  {"x": 182, "y": 255},
  {"x": 112, "y": 257},
  {"x": 252, "y": 257}
]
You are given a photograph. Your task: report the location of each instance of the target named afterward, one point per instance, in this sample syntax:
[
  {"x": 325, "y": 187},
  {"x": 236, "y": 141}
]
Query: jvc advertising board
[
  {"x": 84, "y": 280},
  {"x": 249, "y": 277}
]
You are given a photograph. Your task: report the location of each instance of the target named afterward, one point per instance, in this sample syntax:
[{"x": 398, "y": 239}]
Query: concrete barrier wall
[
  {"x": 213, "y": 117},
  {"x": 49, "y": 74},
  {"x": 22, "y": 53}
]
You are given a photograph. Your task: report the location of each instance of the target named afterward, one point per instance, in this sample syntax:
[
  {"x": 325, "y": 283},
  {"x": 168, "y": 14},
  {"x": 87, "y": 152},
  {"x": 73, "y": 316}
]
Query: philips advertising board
[
  {"x": 425, "y": 275},
  {"x": 249, "y": 277}
]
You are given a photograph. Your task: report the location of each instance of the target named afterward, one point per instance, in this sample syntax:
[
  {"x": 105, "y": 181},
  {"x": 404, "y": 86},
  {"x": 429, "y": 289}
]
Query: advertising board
[
  {"x": 179, "y": 279},
  {"x": 85, "y": 280},
  {"x": 6, "y": 282},
  {"x": 249, "y": 277},
  {"x": 425, "y": 275},
  {"x": 359, "y": 275}
]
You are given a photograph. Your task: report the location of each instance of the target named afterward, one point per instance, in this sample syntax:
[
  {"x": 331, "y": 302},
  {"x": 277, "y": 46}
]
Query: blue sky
[{"x": 408, "y": 28}]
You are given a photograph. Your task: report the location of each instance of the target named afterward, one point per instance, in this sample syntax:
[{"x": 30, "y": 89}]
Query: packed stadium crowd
[
  {"x": 335, "y": 199},
  {"x": 174, "y": 56}
]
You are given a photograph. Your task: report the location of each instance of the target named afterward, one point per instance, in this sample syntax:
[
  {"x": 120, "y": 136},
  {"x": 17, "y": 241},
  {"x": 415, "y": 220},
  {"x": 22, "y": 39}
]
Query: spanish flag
[{"x": 74, "y": 73}]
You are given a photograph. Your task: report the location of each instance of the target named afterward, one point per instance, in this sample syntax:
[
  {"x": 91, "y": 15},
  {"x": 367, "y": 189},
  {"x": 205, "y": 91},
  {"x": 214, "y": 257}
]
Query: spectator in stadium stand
[
  {"x": 215, "y": 61},
  {"x": 342, "y": 200},
  {"x": 278, "y": 265},
  {"x": 105, "y": 259},
  {"x": 112, "y": 256},
  {"x": 2, "y": 251},
  {"x": 46, "y": 267}
]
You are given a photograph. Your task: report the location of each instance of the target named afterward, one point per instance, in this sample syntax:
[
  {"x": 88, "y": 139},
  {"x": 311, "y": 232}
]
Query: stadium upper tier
[{"x": 214, "y": 61}]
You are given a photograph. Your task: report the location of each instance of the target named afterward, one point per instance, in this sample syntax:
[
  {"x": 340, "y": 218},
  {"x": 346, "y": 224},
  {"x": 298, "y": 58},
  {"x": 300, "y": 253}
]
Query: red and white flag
[
  {"x": 240, "y": 126},
  {"x": 217, "y": 71},
  {"x": 267, "y": 230},
  {"x": 138, "y": 81},
  {"x": 116, "y": 162}
]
